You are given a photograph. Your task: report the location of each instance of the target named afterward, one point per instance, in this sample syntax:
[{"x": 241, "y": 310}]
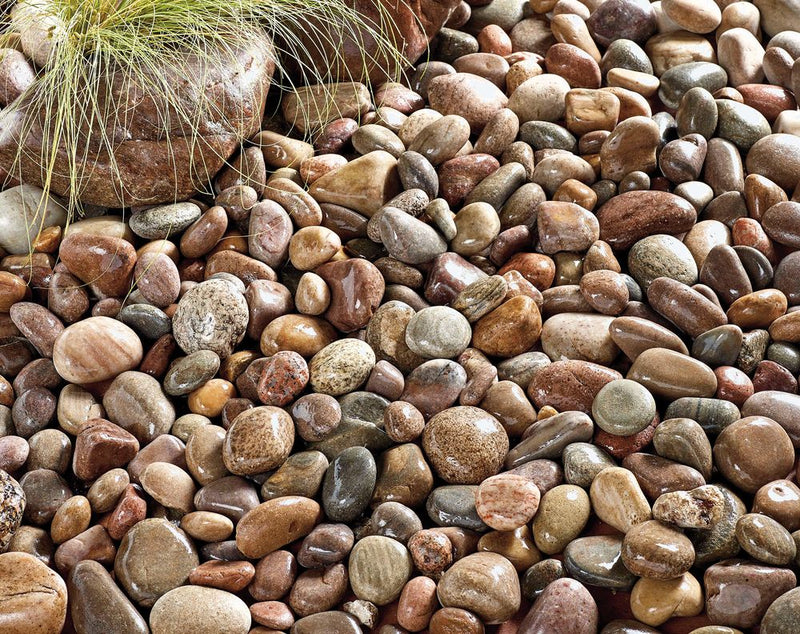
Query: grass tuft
[{"x": 153, "y": 45}]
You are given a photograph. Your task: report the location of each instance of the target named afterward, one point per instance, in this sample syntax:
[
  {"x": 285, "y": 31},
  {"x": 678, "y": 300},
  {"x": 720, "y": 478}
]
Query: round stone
[
  {"x": 341, "y": 367},
  {"x": 484, "y": 583},
  {"x": 210, "y": 316},
  {"x": 379, "y": 567},
  {"x": 465, "y": 445},
  {"x": 140, "y": 566},
  {"x": 259, "y": 440},
  {"x": 506, "y": 501},
  {"x": 657, "y": 551},
  {"x": 752, "y": 452},
  {"x": 96, "y": 349},
  {"x": 782, "y": 616},
  {"x": 438, "y": 332},
  {"x": 623, "y": 407},
  {"x": 200, "y": 610}
]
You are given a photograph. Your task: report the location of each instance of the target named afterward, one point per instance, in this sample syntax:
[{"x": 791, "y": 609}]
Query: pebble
[
  {"x": 764, "y": 539},
  {"x": 564, "y": 603},
  {"x": 348, "y": 485},
  {"x": 259, "y": 440},
  {"x": 739, "y": 592},
  {"x": 669, "y": 374},
  {"x": 597, "y": 561},
  {"x": 204, "y": 610},
  {"x": 510, "y": 329},
  {"x": 438, "y": 332},
  {"x": 623, "y": 408},
  {"x": 379, "y": 568},
  {"x": 781, "y": 616},
  {"x": 275, "y": 523},
  {"x": 617, "y": 499},
  {"x": 655, "y": 601},
  {"x": 472, "y": 97},
  {"x": 465, "y": 445},
  {"x": 484, "y": 583},
  {"x": 341, "y": 367},
  {"x": 562, "y": 516},
  {"x": 656, "y": 551},
  {"x": 98, "y": 605},
  {"x": 135, "y": 402},
  {"x": 408, "y": 239},
  {"x": 769, "y": 454},
  {"x": 96, "y": 349},
  {"x": 34, "y": 597},
  {"x": 143, "y": 549},
  {"x": 506, "y": 502},
  {"x": 210, "y": 316}
]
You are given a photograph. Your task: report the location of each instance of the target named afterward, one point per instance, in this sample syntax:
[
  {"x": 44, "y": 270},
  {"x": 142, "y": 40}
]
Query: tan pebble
[
  {"x": 210, "y": 398},
  {"x": 517, "y": 546},
  {"x": 562, "y": 516},
  {"x": 654, "y": 601},
  {"x": 617, "y": 499},
  {"x": 484, "y": 583},
  {"x": 311, "y": 247},
  {"x": 169, "y": 485},
  {"x": 71, "y": 518},
  {"x": 275, "y": 523},
  {"x": 695, "y": 16},
  {"x": 657, "y": 551},
  {"x": 207, "y": 526},
  {"x": 313, "y": 295},
  {"x": 106, "y": 490},
  {"x": 589, "y": 110}
]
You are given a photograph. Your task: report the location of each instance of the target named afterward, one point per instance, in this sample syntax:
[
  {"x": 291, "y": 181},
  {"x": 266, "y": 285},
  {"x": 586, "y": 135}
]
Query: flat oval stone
[
  {"x": 629, "y": 217},
  {"x": 145, "y": 546},
  {"x": 635, "y": 335},
  {"x": 454, "y": 505},
  {"x": 548, "y": 437},
  {"x": 341, "y": 367},
  {"x": 713, "y": 415},
  {"x": 135, "y": 402},
  {"x": 655, "y": 550},
  {"x": 379, "y": 567},
  {"x": 661, "y": 256},
  {"x": 98, "y": 606},
  {"x": 741, "y": 124},
  {"x": 676, "y": 81},
  {"x": 349, "y": 482},
  {"x": 96, "y": 349},
  {"x": 579, "y": 336},
  {"x": 34, "y": 598},
  {"x": 438, "y": 332},
  {"x": 332, "y": 622},
  {"x": 203, "y": 610},
  {"x": 403, "y": 476},
  {"x": 688, "y": 309},
  {"x": 190, "y": 372},
  {"x": 777, "y": 157},
  {"x": 630, "y": 147},
  {"x": 765, "y": 540},
  {"x": 158, "y": 223},
  {"x": 671, "y": 375},
  {"x": 623, "y": 408},
  {"x": 484, "y": 583},
  {"x": 781, "y": 407},
  {"x": 597, "y": 561},
  {"x": 275, "y": 523}
]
